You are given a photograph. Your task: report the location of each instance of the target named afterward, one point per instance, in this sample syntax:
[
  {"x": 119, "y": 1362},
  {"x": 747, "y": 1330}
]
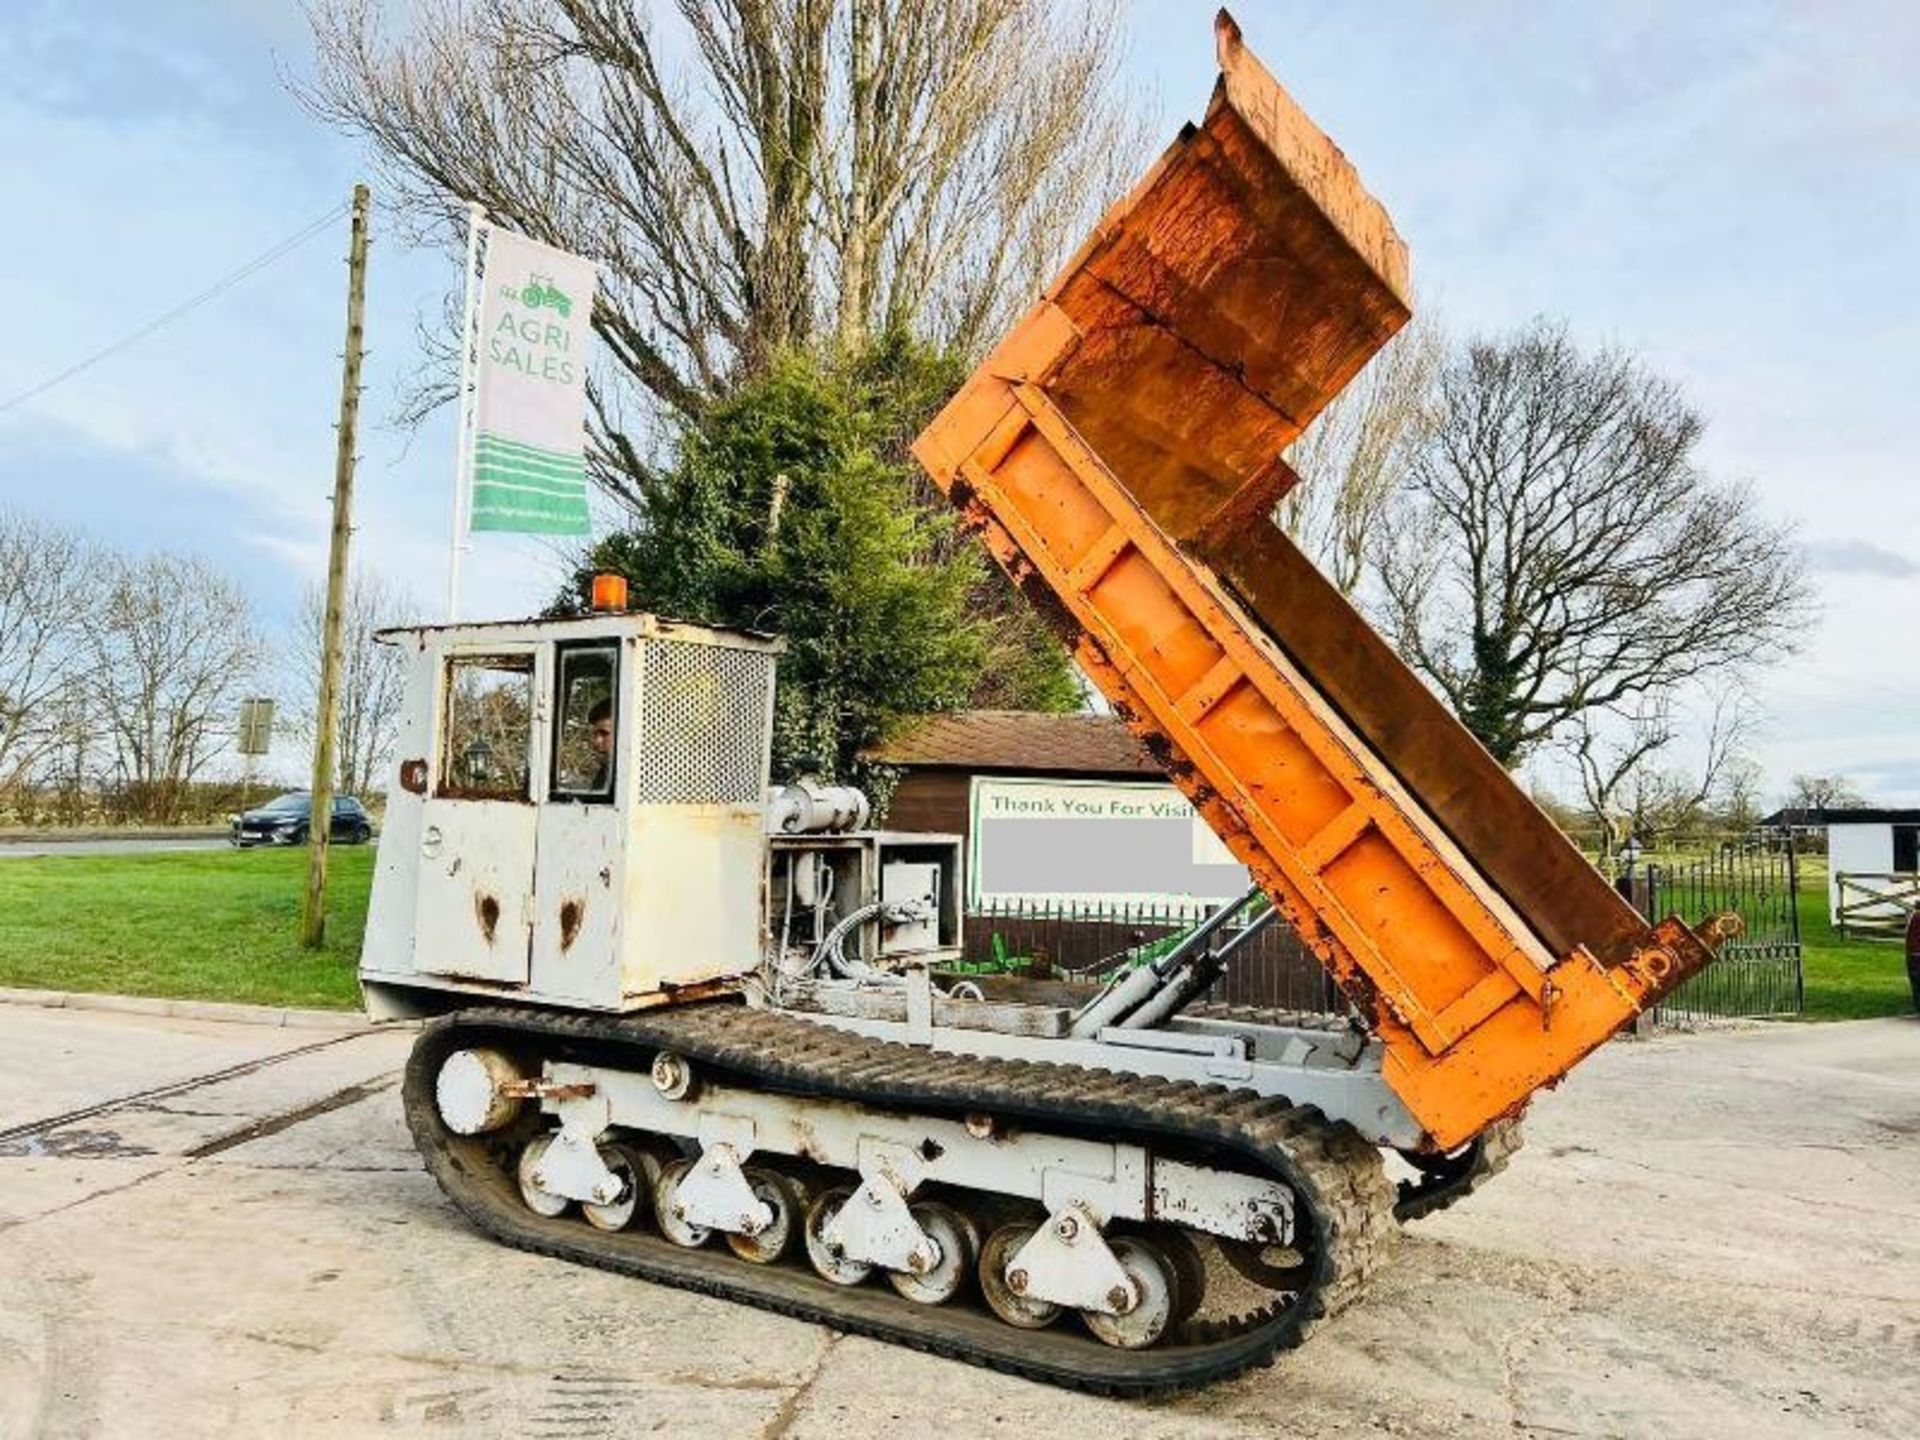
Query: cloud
[
  {"x": 61, "y": 62},
  {"x": 1859, "y": 557},
  {"x": 307, "y": 556},
  {"x": 1890, "y": 783}
]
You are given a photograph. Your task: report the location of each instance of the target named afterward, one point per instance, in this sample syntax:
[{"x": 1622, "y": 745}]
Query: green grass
[
  {"x": 202, "y": 925},
  {"x": 224, "y": 925},
  {"x": 1851, "y": 979}
]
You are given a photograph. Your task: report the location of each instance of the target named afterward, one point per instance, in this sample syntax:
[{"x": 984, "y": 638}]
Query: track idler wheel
[
  {"x": 539, "y": 1199},
  {"x": 1156, "y": 1283},
  {"x": 670, "y": 1213},
  {"x": 638, "y": 1171},
  {"x": 782, "y": 1197},
  {"x": 1005, "y": 1293},
  {"x": 474, "y": 1091},
  {"x": 957, "y": 1243}
]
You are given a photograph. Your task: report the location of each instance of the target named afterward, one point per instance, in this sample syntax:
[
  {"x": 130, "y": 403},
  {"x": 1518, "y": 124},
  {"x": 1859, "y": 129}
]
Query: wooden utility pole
[{"x": 313, "y": 925}]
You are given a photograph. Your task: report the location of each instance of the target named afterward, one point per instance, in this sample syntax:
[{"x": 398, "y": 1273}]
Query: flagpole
[{"x": 463, "y": 424}]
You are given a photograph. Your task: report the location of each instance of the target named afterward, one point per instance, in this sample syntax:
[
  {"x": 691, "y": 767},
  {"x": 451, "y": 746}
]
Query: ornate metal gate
[{"x": 1760, "y": 973}]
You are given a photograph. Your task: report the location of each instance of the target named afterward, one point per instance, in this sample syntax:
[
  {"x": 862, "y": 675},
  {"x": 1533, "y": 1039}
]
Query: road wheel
[
  {"x": 1157, "y": 1285},
  {"x": 670, "y": 1212},
  {"x": 1010, "y": 1304},
  {"x": 638, "y": 1171},
  {"x": 778, "y": 1194},
  {"x": 540, "y": 1200},
  {"x": 959, "y": 1247},
  {"x": 829, "y": 1262}
]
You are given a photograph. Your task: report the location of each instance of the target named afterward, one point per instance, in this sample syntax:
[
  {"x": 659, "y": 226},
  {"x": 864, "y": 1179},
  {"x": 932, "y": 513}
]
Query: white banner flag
[{"x": 529, "y": 444}]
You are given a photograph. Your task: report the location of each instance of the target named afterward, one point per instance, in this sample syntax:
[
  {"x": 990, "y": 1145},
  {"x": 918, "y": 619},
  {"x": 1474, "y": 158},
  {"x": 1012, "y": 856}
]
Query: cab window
[
  {"x": 586, "y": 712},
  {"x": 488, "y": 730}
]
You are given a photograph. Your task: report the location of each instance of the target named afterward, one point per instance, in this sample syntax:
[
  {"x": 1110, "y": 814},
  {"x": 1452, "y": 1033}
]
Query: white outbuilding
[{"x": 1873, "y": 867}]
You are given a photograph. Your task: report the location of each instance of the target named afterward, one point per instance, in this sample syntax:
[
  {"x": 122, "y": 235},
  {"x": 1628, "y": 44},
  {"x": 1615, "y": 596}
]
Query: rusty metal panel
[
  {"x": 581, "y": 855},
  {"x": 1518, "y": 848},
  {"x": 691, "y": 905},
  {"x": 1224, "y": 302},
  {"x": 1132, "y": 419},
  {"x": 472, "y": 913},
  {"x": 692, "y": 892}
]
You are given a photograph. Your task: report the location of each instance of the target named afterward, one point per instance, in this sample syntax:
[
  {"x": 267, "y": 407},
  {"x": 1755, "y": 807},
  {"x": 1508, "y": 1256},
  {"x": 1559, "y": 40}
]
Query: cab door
[
  {"x": 580, "y": 850},
  {"x": 478, "y": 826}
]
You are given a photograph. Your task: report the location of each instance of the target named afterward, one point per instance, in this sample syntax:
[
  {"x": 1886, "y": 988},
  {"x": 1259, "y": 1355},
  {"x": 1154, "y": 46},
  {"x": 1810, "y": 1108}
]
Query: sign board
[
  {"x": 530, "y": 402},
  {"x": 256, "y": 727},
  {"x": 1090, "y": 843}
]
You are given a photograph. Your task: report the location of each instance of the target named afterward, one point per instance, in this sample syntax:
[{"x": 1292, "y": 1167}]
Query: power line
[{"x": 212, "y": 292}]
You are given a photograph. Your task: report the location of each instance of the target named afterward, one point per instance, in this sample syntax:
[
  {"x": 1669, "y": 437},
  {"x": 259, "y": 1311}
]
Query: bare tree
[
  {"x": 47, "y": 578},
  {"x": 1738, "y": 805},
  {"x": 1823, "y": 792},
  {"x": 174, "y": 647},
  {"x": 1353, "y": 459},
  {"x": 1558, "y": 552},
  {"x": 371, "y": 678},
  {"x": 68, "y": 771},
  {"x": 1628, "y": 793},
  {"x": 750, "y": 175}
]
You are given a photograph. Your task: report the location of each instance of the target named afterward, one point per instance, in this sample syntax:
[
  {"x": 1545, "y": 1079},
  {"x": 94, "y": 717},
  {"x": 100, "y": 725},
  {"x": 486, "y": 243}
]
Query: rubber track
[
  {"x": 1486, "y": 1157},
  {"x": 1337, "y": 1177}
]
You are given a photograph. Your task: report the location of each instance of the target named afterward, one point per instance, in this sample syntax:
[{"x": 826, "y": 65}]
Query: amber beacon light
[{"x": 609, "y": 593}]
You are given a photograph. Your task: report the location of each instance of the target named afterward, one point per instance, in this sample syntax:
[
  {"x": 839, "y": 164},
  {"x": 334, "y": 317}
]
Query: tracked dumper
[{"x": 703, "y": 1031}]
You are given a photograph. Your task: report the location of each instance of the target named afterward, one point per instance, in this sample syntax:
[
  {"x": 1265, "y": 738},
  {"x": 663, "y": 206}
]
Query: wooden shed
[
  {"x": 1075, "y": 845},
  {"x": 942, "y": 755}
]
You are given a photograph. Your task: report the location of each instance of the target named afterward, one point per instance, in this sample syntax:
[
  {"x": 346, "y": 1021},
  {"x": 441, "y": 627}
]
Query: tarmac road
[
  {"x": 25, "y": 849},
  {"x": 1713, "y": 1235}
]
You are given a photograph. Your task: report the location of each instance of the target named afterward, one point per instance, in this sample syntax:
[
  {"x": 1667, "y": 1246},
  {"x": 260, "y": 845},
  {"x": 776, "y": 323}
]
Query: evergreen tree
[{"x": 792, "y": 506}]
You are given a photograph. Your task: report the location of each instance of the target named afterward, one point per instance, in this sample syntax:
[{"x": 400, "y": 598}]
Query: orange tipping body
[{"x": 1118, "y": 454}]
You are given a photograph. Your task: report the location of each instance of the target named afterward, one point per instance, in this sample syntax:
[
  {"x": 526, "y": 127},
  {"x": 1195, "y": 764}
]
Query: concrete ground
[{"x": 1711, "y": 1235}]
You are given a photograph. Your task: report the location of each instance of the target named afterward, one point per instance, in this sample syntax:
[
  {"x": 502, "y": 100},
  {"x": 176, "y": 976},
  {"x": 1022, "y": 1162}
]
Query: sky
[{"x": 1731, "y": 190}]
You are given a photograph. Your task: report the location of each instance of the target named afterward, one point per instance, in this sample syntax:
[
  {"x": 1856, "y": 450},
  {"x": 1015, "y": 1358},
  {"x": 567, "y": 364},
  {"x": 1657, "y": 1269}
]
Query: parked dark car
[{"x": 284, "y": 819}]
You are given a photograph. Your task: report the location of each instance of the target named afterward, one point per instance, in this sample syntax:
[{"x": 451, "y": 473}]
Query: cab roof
[{"x": 635, "y": 624}]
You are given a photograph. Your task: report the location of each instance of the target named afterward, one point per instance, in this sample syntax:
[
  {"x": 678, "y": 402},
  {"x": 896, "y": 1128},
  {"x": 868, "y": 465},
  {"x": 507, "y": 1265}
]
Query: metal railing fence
[
  {"x": 1084, "y": 938},
  {"x": 1759, "y": 974}
]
